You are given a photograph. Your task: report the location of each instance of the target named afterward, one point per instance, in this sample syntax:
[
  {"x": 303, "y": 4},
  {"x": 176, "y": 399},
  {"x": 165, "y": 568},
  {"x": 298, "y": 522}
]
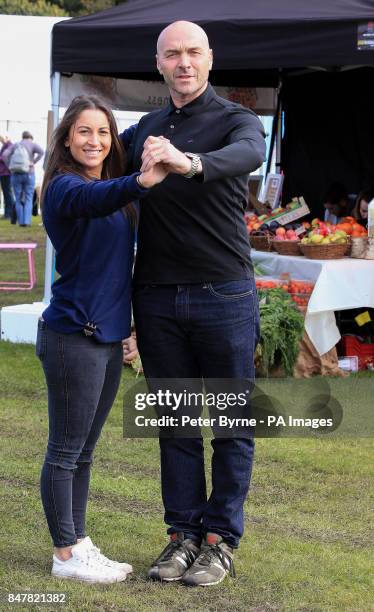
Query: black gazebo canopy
[{"x": 245, "y": 34}]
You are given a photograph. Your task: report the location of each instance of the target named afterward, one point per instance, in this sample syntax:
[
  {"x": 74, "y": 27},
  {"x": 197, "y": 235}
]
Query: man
[
  {"x": 22, "y": 157},
  {"x": 5, "y": 181},
  {"x": 195, "y": 302}
]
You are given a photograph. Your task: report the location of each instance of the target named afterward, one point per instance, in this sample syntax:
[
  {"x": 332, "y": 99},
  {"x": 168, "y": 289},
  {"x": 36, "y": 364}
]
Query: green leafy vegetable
[{"x": 282, "y": 327}]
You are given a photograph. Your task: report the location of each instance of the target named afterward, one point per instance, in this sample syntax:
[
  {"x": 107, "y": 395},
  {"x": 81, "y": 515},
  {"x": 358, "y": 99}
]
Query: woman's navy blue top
[{"x": 94, "y": 246}]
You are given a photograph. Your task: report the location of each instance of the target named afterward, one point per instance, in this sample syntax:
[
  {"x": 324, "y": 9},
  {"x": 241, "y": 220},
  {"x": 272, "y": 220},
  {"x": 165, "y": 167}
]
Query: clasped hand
[{"x": 158, "y": 149}]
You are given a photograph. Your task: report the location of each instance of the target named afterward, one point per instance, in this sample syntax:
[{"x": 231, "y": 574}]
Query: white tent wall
[
  {"x": 25, "y": 77},
  {"x": 24, "y": 104},
  {"x": 25, "y": 67}
]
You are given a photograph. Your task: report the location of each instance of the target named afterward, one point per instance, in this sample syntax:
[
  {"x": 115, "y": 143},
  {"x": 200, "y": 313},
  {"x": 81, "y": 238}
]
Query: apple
[
  {"x": 316, "y": 238},
  {"x": 280, "y": 231}
]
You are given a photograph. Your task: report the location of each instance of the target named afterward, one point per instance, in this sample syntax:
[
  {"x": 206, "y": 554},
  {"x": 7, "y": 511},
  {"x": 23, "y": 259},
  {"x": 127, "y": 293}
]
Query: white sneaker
[
  {"x": 125, "y": 567},
  {"x": 84, "y": 565}
]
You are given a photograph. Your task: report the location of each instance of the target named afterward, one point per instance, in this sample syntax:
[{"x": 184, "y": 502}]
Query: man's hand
[{"x": 160, "y": 149}]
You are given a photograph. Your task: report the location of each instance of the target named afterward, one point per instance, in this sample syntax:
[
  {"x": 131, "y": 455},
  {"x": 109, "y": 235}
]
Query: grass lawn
[{"x": 307, "y": 544}]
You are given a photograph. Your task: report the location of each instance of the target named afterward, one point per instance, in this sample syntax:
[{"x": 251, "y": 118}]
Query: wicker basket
[
  {"x": 323, "y": 251},
  {"x": 286, "y": 247},
  {"x": 260, "y": 243},
  {"x": 358, "y": 247}
]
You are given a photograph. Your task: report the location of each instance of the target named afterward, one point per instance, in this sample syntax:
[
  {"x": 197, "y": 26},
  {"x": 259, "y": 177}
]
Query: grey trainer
[
  {"x": 175, "y": 559},
  {"x": 212, "y": 565}
]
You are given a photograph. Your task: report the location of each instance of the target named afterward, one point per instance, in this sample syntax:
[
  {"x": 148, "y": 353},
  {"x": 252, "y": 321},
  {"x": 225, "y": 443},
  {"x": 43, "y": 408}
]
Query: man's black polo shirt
[{"x": 193, "y": 230}]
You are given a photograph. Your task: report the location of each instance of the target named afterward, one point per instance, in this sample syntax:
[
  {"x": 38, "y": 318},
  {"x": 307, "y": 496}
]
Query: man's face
[{"x": 184, "y": 59}]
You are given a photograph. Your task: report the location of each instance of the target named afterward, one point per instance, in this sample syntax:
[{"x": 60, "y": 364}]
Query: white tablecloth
[{"x": 340, "y": 284}]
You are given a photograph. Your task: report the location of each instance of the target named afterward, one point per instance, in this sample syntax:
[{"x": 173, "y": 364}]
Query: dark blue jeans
[
  {"x": 208, "y": 331},
  {"x": 82, "y": 379},
  {"x": 23, "y": 186},
  {"x": 9, "y": 201}
]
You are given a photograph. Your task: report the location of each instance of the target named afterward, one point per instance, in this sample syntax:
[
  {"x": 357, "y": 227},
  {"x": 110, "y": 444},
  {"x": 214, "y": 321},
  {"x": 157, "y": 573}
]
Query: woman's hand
[
  {"x": 130, "y": 349},
  {"x": 153, "y": 175}
]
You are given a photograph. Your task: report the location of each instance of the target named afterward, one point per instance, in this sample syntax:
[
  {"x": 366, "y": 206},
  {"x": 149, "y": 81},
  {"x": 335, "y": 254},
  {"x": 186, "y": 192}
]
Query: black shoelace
[
  {"x": 212, "y": 551},
  {"x": 171, "y": 549}
]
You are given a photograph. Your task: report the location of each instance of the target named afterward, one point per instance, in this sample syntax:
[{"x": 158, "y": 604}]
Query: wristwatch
[{"x": 195, "y": 160}]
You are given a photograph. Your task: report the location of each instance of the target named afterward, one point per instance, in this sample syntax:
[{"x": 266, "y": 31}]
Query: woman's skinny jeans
[{"x": 82, "y": 378}]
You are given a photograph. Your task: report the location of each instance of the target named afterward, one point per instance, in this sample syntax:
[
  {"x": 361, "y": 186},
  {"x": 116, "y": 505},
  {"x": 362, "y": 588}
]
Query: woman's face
[
  {"x": 90, "y": 140},
  {"x": 364, "y": 209}
]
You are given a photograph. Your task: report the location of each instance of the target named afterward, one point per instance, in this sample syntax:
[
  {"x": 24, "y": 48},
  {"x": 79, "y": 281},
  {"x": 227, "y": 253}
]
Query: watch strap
[{"x": 195, "y": 160}]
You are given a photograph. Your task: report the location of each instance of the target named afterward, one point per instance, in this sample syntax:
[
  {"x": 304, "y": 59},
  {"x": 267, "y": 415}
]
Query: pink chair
[{"x": 19, "y": 285}]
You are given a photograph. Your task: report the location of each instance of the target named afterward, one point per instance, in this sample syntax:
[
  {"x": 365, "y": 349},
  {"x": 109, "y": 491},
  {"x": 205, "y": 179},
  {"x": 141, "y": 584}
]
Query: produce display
[
  {"x": 317, "y": 233},
  {"x": 264, "y": 225},
  {"x": 299, "y": 290},
  {"x": 327, "y": 233},
  {"x": 271, "y": 283},
  {"x": 282, "y": 328}
]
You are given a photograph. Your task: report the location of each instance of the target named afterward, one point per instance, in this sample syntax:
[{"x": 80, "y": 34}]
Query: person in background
[
  {"x": 338, "y": 203},
  {"x": 90, "y": 219},
  {"x": 360, "y": 211},
  {"x": 23, "y": 181},
  {"x": 5, "y": 180}
]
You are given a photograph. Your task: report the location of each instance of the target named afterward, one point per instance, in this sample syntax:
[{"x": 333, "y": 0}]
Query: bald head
[
  {"x": 184, "y": 60},
  {"x": 180, "y": 30}
]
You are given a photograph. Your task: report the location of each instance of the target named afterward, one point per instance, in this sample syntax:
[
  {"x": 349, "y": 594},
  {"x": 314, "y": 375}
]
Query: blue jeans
[
  {"x": 208, "y": 331},
  {"x": 82, "y": 379},
  {"x": 9, "y": 202},
  {"x": 23, "y": 186}
]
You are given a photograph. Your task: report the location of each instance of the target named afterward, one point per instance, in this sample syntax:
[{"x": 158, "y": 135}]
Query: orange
[{"x": 346, "y": 227}]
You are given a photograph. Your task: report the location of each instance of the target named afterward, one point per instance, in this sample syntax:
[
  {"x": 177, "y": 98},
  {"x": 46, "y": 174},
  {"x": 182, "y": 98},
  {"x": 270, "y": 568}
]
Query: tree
[
  {"x": 55, "y": 8},
  {"x": 31, "y": 7},
  {"x": 85, "y": 7}
]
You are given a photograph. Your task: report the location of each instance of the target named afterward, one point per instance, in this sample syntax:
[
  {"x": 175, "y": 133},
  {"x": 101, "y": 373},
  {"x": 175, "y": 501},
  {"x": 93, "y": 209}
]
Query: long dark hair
[
  {"x": 367, "y": 195},
  {"x": 61, "y": 161}
]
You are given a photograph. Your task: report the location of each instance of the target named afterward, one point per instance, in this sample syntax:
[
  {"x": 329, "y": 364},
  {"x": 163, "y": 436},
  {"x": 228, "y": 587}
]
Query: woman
[
  {"x": 89, "y": 218},
  {"x": 360, "y": 211}
]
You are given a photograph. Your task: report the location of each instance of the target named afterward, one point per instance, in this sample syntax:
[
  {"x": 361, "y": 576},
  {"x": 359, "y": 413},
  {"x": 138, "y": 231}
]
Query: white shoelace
[
  {"x": 102, "y": 558},
  {"x": 90, "y": 559}
]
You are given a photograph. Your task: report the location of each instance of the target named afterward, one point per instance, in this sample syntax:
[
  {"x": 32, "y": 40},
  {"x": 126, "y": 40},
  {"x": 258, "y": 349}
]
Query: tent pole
[
  {"x": 276, "y": 134},
  {"x": 279, "y": 137},
  {"x": 274, "y": 128},
  {"x": 49, "y": 251}
]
